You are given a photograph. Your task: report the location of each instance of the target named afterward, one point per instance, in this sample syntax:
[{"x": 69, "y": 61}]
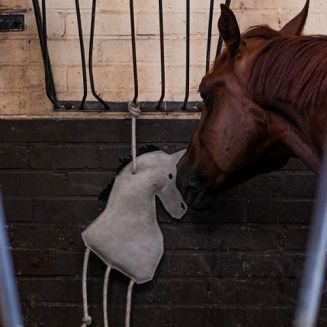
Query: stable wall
[
  {"x": 237, "y": 264},
  {"x": 21, "y": 68}
]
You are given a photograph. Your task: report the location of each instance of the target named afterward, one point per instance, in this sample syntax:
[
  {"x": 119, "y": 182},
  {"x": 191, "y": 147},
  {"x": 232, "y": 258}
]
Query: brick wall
[
  {"x": 21, "y": 68},
  {"x": 237, "y": 264}
]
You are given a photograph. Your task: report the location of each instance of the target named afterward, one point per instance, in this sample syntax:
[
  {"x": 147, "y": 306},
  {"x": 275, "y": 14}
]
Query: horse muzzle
[{"x": 193, "y": 190}]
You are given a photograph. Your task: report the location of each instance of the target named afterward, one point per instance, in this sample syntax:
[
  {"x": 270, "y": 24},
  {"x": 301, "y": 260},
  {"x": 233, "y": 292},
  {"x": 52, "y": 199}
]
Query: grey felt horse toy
[{"x": 126, "y": 235}]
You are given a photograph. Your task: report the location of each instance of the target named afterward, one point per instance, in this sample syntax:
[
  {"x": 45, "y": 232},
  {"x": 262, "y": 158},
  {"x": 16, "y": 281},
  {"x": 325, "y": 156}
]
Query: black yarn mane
[{"x": 104, "y": 195}]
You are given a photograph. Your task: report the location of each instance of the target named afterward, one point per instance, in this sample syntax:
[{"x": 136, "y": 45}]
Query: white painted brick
[
  {"x": 13, "y": 51},
  {"x": 316, "y": 24},
  {"x": 174, "y": 24},
  {"x": 68, "y": 4},
  {"x": 55, "y": 24},
  {"x": 253, "y": 17},
  {"x": 116, "y": 50},
  {"x": 30, "y": 25},
  {"x": 114, "y": 76},
  {"x": 31, "y": 77},
  {"x": 14, "y": 4},
  {"x": 37, "y": 104},
  {"x": 173, "y": 5},
  {"x": 148, "y": 50},
  {"x": 106, "y": 24},
  {"x": 12, "y": 78},
  {"x": 320, "y": 5},
  {"x": 113, "y": 5},
  {"x": 35, "y": 54},
  {"x": 67, "y": 52},
  {"x": 34, "y": 74},
  {"x": 262, "y": 5},
  {"x": 13, "y": 104},
  {"x": 150, "y": 78}
]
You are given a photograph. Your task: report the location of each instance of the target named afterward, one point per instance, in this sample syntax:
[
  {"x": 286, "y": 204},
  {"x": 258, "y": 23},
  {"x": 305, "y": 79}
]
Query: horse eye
[{"x": 170, "y": 176}]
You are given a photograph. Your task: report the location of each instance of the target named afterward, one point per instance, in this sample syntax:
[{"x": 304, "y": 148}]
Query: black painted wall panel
[{"x": 237, "y": 264}]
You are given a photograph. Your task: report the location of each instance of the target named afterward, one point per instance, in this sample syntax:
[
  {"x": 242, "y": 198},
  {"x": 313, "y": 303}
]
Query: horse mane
[
  {"x": 289, "y": 69},
  {"x": 104, "y": 195}
]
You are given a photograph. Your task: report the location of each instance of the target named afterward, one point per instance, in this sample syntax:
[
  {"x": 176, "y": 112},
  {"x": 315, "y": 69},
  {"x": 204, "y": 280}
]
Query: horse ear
[
  {"x": 295, "y": 26},
  {"x": 229, "y": 30}
]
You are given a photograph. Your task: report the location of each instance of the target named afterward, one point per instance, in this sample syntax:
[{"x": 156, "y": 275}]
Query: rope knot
[
  {"x": 134, "y": 109},
  {"x": 87, "y": 321}
]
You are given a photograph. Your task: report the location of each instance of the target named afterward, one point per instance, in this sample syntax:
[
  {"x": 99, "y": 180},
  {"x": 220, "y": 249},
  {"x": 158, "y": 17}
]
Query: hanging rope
[
  {"x": 105, "y": 297},
  {"x": 129, "y": 304},
  {"x": 135, "y": 111},
  {"x": 87, "y": 320}
]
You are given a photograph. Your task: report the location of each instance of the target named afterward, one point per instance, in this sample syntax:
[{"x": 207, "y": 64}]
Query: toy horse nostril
[{"x": 183, "y": 206}]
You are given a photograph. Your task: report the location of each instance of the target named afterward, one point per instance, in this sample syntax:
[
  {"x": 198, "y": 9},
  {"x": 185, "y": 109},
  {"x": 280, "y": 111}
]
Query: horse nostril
[
  {"x": 194, "y": 182},
  {"x": 183, "y": 206}
]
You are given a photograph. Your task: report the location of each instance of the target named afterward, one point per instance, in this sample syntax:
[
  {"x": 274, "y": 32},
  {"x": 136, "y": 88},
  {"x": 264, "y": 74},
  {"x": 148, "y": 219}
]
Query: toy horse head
[{"x": 126, "y": 235}]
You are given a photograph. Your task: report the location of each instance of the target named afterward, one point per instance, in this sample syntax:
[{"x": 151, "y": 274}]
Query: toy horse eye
[{"x": 170, "y": 176}]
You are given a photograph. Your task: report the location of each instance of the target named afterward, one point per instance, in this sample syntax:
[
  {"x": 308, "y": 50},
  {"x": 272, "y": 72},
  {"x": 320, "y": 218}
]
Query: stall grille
[{"x": 101, "y": 104}]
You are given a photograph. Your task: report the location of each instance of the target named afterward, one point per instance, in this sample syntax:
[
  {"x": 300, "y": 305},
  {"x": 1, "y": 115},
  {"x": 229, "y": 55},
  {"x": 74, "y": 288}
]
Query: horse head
[{"x": 234, "y": 140}]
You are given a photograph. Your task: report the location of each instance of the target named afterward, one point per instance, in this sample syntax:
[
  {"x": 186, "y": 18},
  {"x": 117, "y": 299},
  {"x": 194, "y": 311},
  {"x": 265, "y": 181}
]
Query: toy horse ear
[
  {"x": 295, "y": 26},
  {"x": 229, "y": 30}
]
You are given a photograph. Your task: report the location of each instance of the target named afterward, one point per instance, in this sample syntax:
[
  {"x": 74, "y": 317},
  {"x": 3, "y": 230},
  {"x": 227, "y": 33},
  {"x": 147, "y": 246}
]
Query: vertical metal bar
[
  {"x": 212, "y": 4},
  {"x": 132, "y": 19},
  {"x": 220, "y": 40},
  {"x": 81, "y": 42},
  {"x": 94, "y": 4},
  {"x": 49, "y": 79},
  {"x": 315, "y": 264},
  {"x": 9, "y": 308},
  {"x": 162, "y": 56},
  {"x": 187, "y": 64},
  {"x": 49, "y": 82}
]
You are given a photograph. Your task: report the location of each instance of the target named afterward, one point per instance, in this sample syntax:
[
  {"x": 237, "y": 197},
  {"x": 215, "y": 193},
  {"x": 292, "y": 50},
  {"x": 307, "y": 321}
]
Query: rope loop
[
  {"x": 134, "y": 109},
  {"x": 87, "y": 321}
]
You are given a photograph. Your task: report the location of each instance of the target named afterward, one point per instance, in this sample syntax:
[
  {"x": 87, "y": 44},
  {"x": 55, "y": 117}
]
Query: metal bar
[
  {"x": 212, "y": 5},
  {"x": 136, "y": 84},
  {"x": 49, "y": 79},
  {"x": 94, "y": 4},
  {"x": 315, "y": 263},
  {"x": 9, "y": 308},
  {"x": 162, "y": 56},
  {"x": 220, "y": 40},
  {"x": 49, "y": 82},
  {"x": 81, "y": 42},
  {"x": 187, "y": 64}
]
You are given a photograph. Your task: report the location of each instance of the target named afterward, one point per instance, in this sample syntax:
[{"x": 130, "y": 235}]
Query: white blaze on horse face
[{"x": 126, "y": 235}]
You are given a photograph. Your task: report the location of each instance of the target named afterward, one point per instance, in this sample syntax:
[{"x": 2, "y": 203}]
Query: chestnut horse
[{"x": 264, "y": 101}]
